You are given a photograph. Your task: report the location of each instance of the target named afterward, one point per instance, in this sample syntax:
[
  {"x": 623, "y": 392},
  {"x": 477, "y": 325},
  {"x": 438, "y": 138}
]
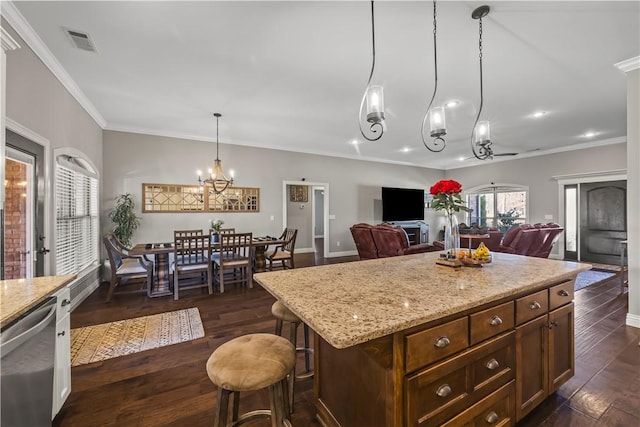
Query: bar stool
[
  {"x": 247, "y": 363},
  {"x": 283, "y": 314}
]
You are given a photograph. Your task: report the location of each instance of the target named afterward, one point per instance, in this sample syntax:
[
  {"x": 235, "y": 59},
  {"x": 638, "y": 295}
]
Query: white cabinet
[{"x": 62, "y": 364}]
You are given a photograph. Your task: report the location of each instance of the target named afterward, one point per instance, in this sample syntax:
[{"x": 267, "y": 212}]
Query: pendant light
[
  {"x": 435, "y": 115},
  {"x": 217, "y": 179},
  {"x": 481, "y": 134},
  {"x": 373, "y": 98}
]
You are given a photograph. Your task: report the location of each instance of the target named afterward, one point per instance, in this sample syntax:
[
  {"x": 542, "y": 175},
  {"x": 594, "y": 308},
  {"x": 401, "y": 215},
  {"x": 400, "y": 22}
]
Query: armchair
[
  {"x": 549, "y": 235},
  {"x": 125, "y": 267},
  {"x": 393, "y": 241},
  {"x": 364, "y": 241},
  {"x": 519, "y": 239}
]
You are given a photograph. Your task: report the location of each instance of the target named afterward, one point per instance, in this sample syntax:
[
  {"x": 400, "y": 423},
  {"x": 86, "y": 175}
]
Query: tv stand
[{"x": 417, "y": 231}]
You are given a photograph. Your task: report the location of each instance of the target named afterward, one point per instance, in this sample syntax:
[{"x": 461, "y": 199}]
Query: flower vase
[
  {"x": 451, "y": 236},
  {"x": 215, "y": 238}
]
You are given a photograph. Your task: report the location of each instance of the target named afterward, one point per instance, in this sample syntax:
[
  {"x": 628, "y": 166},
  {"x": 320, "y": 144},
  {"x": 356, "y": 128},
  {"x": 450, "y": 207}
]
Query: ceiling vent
[{"x": 81, "y": 40}]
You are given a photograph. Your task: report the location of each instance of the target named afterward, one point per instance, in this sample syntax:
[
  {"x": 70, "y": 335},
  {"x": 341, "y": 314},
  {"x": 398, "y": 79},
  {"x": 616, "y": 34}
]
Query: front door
[
  {"x": 23, "y": 232},
  {"x": 603, "y": 221}
]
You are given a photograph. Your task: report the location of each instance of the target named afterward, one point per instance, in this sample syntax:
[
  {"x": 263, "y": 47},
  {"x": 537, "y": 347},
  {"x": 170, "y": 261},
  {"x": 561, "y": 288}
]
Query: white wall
[{"x": 132, "y": 159}]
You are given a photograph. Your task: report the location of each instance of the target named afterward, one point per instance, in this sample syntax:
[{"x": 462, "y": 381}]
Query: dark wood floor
[{"x": 169, "y": 386}]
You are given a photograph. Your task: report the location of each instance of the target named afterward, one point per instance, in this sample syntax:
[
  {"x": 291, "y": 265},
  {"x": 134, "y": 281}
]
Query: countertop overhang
[
  {"x": 351, "y": 303},
  {"x": 17, "y": 296}
]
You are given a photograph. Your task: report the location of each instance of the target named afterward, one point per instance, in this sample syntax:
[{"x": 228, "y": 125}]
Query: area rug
[
  {"x": 589, "y": 277},
  {"x": 113, "y": 339}
]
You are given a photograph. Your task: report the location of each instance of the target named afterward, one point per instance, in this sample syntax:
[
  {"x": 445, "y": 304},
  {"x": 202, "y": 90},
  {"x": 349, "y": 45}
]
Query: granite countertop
[
  {"x": 17, "y": 296},
  {"x": 351, "y": 303}
]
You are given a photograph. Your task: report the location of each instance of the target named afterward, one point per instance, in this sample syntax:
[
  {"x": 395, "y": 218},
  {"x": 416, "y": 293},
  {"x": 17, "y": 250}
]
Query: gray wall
[{"x": 354, "y": 186}]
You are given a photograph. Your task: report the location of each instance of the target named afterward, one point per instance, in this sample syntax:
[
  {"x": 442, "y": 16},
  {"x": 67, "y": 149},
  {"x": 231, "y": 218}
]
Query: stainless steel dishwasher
[{"x": 27, "y": 353}]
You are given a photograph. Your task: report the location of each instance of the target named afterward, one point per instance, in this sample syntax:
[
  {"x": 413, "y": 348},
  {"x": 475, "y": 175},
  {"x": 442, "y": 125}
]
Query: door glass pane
[
  {"x": 482, "y": 206},
  {"x": 18, "y": 219},
  {"x": 511, "y": 208},
  {"x": 571, "y": 213}
]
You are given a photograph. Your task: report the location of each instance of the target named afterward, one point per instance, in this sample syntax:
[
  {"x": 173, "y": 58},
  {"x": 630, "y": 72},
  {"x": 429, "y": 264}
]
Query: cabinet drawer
[
  {"x": 63, "y": 303},
  {"x": 561, "y": 294},
  {"x": 531, "y": 306},
  {"x": 430, "y": 345},
  {"x": 443, "y": 390},
  {"x": 490, "y": 322},
  {"x": 497, "y": 409}
]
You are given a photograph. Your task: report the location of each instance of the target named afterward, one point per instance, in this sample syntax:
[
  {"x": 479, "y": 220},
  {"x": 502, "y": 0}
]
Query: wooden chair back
[
  {"x": 186, "y": 233},
  {"x": 191, "y": 250}
]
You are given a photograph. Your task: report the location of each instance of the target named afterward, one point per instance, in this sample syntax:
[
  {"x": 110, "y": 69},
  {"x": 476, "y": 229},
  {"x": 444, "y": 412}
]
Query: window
[
  {"x": 77, "y": 221},
  {"x": 501, "y": 207}
]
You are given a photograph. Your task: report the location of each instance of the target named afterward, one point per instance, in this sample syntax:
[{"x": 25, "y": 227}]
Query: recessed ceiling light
[
  {"x": 355, "y": 142},
  {"x": 451, "y": 104},
  {"x": 589, "y": 134},
  {"x": 461, "y": 159},
  {"x": 539, "y": 114},
  {"x": 406, "y": 149}
]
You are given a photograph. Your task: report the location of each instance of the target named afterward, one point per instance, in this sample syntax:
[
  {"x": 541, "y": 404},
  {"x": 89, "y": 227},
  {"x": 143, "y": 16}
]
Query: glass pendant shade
[
  {"x": 482, "y": 134},
  {"x": 437, "y": 122},
  {"x": 375, "y": 104}
]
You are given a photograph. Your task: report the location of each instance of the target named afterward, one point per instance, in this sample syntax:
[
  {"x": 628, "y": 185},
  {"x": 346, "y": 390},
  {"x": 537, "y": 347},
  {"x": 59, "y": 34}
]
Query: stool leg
[
  {"x": 306, "y": 346},
  {"x": 235, "y": 407},
  {"x": 283, "y": 393},
  {"x": 293, "y": 337},
  {"x": 277, "y": 404},
  {"x": 278, "y": 327},
  {"x": 223, "y": 408}
]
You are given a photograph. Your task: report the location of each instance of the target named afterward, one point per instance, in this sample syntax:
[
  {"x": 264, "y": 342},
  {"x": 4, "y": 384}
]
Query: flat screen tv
[{"x": 402, "y": 204}]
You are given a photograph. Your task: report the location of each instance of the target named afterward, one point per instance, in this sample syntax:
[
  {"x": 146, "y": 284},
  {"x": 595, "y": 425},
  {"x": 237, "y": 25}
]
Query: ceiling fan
[{"x": 505, "y": 154}]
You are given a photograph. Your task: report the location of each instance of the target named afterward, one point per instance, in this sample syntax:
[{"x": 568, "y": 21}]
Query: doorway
[
  {"x": 300, "y": 210},
  {"x": 22, "y": 245}
]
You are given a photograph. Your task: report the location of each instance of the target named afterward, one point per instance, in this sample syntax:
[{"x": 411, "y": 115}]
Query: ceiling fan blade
[{"x": 505, "y": 154}]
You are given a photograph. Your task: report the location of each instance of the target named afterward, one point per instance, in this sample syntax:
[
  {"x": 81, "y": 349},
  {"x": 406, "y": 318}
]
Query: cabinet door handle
[
  {"x": 492, "y": 417},
  {"x": 61, "y": 334},
  {"x": 492, "y": 364},
  {"x": 65, "y": 302},
  {"x": 535, "y": 305},
  {"x": 563, "y": 293},
  {"x": 442, "y": 342},
  {"x": 553, "y": 324},
  {"x": 444, "y": 390},
  {"x": 495, "y": 321}
]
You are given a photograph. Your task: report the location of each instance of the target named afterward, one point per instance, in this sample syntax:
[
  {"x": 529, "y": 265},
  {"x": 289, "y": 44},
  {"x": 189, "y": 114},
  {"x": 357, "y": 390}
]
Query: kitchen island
[{"x": 404, "y": 342}]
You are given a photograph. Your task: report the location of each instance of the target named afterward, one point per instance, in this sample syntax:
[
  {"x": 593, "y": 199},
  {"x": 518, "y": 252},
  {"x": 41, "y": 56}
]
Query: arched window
[
  {"x": 77, "y": 214},
  {"x": 499, "y": 206}
]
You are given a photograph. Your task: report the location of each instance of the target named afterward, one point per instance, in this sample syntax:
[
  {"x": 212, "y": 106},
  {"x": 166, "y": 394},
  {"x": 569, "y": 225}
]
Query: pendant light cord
[
  {"x": 217, "y": 141},
  {"x": 364, "y": 97},
  {"x": 485, "y": 150},
  {"x": 438, "y": 143}
]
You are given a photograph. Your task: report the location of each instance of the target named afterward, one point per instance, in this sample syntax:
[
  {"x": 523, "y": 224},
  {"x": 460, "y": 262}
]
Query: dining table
[{"x": 161, "y": 251}]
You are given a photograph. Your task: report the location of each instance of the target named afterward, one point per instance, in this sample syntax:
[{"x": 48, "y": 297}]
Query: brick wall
[{"x": 15, "y": 222}]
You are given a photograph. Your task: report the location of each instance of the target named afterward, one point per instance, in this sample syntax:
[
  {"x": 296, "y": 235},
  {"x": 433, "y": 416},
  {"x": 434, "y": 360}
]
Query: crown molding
[
  {"x": 8, "y": 42},
  {"x": 628, "y": 64},
  {"x": 28, "y": 34}
]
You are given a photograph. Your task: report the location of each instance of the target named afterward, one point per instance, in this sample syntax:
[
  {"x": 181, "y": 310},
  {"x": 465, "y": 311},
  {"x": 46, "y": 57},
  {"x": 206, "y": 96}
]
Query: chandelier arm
[
  {"x": 484, "y": 152},
  {"x": 375, "y": 127},
  {"x": 434, "y": 146}
]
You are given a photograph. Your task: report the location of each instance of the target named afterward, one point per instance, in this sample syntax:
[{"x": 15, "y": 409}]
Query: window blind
[{"x": 76, "y": 218}]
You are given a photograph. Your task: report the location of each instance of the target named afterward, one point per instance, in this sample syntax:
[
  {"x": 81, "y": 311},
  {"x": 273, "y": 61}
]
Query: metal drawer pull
[
  {"x": 444, "y": 390},
  {"x": 492, "y": 417},
  {"x": 442, "y": 342},
  {"x": 553, "y": 324},
  {"x": 492, "y": 364},
  {"x": 563, "y": 293},
  {"x": 535, "y": 305},
  {"x": 61, "y": 334},
  {"x": 495, "y": 321},
  {"x": 65, "y": 302}
]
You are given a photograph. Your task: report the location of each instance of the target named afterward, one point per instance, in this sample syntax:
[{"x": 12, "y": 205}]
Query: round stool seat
[
  {"x": 251, "y": 362},
  {"x": 281, "y": 312}
]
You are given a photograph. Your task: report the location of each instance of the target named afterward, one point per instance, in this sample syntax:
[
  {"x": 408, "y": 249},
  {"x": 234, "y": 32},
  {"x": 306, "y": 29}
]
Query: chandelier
[
  {"x": 373, "y": 97},
  {"x": 481, "y": 134},
  {"x": 217, "y": 179},
  {"x": 434, "y": 115}
]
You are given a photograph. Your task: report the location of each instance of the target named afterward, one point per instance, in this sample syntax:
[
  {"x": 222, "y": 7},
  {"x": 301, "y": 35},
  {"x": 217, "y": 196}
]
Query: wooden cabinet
[
  {"x": 485, "y": 366},
  {"x": 544, "y": 346},
  {"x": 62, "y": 361}
]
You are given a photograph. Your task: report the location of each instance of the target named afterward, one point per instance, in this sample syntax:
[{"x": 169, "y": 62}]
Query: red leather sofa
[
  {"x": 531, "y": 239},
  {"x": 384, "y": 240}
]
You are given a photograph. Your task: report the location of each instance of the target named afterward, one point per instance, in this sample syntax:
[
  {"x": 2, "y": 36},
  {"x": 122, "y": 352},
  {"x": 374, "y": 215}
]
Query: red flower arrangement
[{"x": 446, "y": 196}]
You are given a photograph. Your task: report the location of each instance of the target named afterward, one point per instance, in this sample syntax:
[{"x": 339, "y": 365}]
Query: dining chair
[
  {"x": 283, "y": 253},
  {"x": 186, "y": 233},
  {"x": 232, "y": 259},
  {"x": 191, "y": 266},
  {"x": 125, "y": 267}
]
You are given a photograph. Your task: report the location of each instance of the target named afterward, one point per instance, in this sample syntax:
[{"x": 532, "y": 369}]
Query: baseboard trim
[
  {"x": 340, "y": 254},
  {"x": 304, "y": 250},
  {"x": 633, "y": 320}
]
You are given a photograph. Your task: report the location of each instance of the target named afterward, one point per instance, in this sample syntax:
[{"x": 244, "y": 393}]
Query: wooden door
[
  {"x": 561, "y": 346},
  {"x": 532, "y": 365},
  {"x": 603, "y": 221}
]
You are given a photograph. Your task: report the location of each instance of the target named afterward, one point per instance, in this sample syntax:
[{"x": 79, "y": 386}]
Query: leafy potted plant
[
  {"x": 216, "y": 225},
  {"x": 124, "y": 218}
]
